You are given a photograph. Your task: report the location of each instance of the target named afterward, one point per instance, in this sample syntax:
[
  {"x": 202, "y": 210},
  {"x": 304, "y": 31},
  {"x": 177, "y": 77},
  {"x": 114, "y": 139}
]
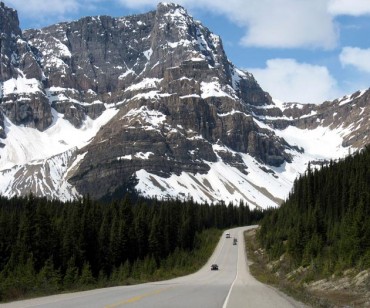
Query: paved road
[{"x": 230, "y": 287}]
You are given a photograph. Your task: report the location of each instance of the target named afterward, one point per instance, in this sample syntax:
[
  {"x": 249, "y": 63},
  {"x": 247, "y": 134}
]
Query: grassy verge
[
  {"x": 265, "y": 271},
  {"x": 345, "y": 289}
]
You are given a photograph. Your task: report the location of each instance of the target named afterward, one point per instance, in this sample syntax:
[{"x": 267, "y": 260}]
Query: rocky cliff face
[
  {"x": 10, "y": 32},
  {"x": 186, "y": 97},
  {"x": 22, "y": 97},
  {"x": 179, "y": 116},
  {"x": 349, "y": 114}
]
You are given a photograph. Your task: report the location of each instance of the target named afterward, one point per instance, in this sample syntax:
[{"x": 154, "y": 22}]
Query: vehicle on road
[
  {"x": 235, "y": 241},
  {"x": 214, "y": 267},
  {"x": 227, "y": 235}
]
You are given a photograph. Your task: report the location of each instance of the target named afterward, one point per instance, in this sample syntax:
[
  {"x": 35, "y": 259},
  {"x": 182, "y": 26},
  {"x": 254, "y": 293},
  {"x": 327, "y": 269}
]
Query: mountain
[{"x": 151, "y": 102}]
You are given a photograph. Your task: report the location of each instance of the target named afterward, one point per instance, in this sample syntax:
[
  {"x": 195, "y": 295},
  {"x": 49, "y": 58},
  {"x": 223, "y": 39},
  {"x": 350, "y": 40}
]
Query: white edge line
[{"x": 232, "y": 285}]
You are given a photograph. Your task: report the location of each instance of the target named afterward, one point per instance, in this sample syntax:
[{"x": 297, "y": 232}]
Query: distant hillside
[{"x": 325, "y": 223}]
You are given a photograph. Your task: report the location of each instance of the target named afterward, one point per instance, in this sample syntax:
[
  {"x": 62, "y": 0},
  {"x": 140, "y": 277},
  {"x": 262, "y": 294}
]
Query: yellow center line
[{"x": 137, "y": 298}]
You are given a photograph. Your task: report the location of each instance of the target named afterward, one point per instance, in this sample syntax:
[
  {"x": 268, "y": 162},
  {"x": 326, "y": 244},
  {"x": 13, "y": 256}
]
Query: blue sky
[{"x": 298, "y": 50}]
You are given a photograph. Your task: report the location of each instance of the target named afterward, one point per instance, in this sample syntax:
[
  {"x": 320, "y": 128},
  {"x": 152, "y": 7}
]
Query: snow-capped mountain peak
[{"x": 151, "y": 102}]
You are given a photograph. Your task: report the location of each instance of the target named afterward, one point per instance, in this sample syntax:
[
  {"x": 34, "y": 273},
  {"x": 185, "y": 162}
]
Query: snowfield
[{"x": 25, "y": 144}]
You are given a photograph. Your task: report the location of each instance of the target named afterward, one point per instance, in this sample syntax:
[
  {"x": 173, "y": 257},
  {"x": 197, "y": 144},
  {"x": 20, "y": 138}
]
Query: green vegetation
[
  {"x": 49, "y": 247},
  {"x": 275, "y": 273},
  {"x": 325, "y": 223}
]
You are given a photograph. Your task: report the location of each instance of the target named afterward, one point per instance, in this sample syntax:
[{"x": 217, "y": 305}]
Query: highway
[{"x": 230, "y": 287}]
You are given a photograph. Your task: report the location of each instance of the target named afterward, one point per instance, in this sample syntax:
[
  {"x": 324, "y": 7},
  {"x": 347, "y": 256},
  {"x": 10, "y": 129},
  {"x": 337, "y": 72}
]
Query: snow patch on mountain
[
  {"x": 148, "y": 119},
  {"x": 349, "y": 98},
  {"x": 145, "y": 84},
  {"x": 151, "y": 95},
  {"x": 139, "y": 155},
  {"x": 21, "y": 85},
  {"x": 214, "y": 89},
  {"x": 320, "y": 144},
  {"x": 44, "y": 177},
  {"x": 148, "y": 53},
  {"x": 25, "y": 144},
  {"x": 221, "y": 183}
]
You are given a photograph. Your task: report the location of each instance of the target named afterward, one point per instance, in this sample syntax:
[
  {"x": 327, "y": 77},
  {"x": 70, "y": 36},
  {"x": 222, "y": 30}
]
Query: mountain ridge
[{"x": 176, "y": 116}]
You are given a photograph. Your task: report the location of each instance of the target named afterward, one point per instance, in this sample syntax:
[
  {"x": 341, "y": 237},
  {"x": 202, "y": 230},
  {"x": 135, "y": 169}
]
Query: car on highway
[
  {"x": 235, "y": 241},
  {"x": 227, "y": 235},
  {"x": 214, "y": 267}
]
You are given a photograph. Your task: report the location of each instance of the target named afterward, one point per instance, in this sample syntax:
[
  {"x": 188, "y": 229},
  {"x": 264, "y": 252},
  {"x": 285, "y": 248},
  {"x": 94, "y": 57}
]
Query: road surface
[{"x": 230, "y": 287}]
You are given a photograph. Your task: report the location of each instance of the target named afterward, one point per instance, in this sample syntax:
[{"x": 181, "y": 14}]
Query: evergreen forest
[
  {"x": 49, "y": 246},
  {"x": 325, "y": 222}
]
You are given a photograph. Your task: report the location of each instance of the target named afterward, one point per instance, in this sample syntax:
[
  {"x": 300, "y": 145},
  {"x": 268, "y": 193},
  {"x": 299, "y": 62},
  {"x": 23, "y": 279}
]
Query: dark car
[{"x": 214, "y": 267}]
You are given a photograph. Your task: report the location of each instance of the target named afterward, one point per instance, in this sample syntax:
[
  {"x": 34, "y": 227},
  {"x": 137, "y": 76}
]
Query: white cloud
[
  {"x": 357, "y": 57},
  {"x": 291, "y": 81},
  {"x": 349, "y": 7},
  {"x": 267, "y": 23},
  {"x": 34, "y": 8},
  {"x": 42, "y": 13},
  {"x": 271, "y": 23},
  {"x": 140, "y": 3}
]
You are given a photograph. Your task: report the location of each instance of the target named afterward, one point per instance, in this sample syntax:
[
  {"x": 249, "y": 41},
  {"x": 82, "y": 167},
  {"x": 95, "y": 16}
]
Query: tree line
[
  {"x": 47, "y": 246},
  {"x": 325, "y": 222}
]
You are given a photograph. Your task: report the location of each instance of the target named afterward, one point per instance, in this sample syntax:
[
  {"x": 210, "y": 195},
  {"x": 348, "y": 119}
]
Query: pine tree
[
  {"x": 86, "y": 277},
  {"x": 71, "y": 276},
  {"x": 49, "y": 279}
]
